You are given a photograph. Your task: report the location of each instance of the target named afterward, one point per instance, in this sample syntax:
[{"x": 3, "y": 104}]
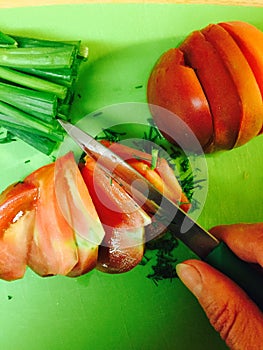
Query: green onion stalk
[{"x": 37, "y": 82}]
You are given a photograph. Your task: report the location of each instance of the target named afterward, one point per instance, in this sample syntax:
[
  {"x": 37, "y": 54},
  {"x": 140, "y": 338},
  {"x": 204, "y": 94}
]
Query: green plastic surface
[{"x": 128, "y": 311}]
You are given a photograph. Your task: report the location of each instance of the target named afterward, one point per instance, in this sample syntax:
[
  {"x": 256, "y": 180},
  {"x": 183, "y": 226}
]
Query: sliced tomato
[
  {"x": 123, "y": 245},
  {"x": 250, "y": 41},
  {"x": 78, "y": 209},
  {"x": 15, "y": 200},
  {"x": 220, "y": 90},
  {"x": 14, "y": 246},
  {"x": 53, "y": 248},
  {"x": 17, "y": 214},
  {"x": 243, "y": 78},
  {"x": 174, "y": 86},
  {"x": 162, "y": 176}
]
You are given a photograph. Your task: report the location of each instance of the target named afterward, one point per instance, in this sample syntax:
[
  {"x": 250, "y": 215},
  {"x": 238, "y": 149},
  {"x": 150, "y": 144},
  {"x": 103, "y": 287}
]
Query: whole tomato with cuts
[{"x": 213, "y": 82}]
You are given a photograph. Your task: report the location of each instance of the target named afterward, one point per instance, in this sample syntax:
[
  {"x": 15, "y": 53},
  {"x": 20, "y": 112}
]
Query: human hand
[{"x": 230, "y": 311}]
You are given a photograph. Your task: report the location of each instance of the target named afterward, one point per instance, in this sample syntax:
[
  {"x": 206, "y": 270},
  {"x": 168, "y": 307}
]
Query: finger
[
  {"x": 230, "y": 311},
  {"x": 245, "y": 240}
]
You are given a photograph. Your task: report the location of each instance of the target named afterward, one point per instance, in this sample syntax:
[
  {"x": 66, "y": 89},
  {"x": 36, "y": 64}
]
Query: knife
[{"x": 201, "y": 242}]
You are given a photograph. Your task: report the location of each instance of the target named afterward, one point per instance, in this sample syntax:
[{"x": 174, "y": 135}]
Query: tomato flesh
[
  {"x": 15, "y": 200},
  {"x": 53, "y": 249},
  {"x": 78, "y": 209},
  {"x": 14, "y": 247}
]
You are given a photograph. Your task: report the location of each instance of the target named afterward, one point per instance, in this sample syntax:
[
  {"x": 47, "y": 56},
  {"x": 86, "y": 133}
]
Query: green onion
[
  {"x": 32, "y": 82},
  {"x": 25, "y": 42},
  {"x": 63, "y": 76},
  {"x": 7, "y": 41},
  {"x": 41, "y": 143},
  {"x": 40, "y": 104},
  {"x": 10, "y": 115},
  {"x": 37, "y": 81},
  {"x": 40, "y": 57}
]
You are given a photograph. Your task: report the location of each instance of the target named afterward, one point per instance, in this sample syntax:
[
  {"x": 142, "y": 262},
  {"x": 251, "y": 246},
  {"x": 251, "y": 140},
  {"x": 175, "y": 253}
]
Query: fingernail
[{"x": 190, "y": 277}]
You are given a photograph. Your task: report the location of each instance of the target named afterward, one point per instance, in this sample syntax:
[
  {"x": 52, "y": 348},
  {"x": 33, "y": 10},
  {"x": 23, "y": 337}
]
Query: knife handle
[{"x": 241, "y": 272}]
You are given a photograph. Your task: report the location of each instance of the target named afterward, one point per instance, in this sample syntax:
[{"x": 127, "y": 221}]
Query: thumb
[{"x": 230, "y": 311}]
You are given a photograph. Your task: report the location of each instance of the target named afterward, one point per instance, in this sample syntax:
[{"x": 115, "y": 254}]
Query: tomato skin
[{"x": 175, "y": 87}]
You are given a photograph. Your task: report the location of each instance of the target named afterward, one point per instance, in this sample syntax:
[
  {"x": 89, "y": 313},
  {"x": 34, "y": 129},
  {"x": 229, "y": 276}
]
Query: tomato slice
[
  {"x": 17, "y": 218},
  {"x": 162, "y": 176},
  {"x": 220, "y": 90},
  {"x": 78, "y": 209},
  {"x": 243, "y": 78},
  {"x": 123, "y": 245},
  {"x": 250, "y": 41},
  {"x": 174, "y": 86},
  {"x": 53, "y": 248},
  {"x": 15, "y": 200},
  {"x": 14, "y": 247}
]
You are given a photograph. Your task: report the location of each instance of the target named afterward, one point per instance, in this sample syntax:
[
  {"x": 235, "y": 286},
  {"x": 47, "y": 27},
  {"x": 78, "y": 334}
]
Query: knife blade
[{"x": 199, "y": 240}]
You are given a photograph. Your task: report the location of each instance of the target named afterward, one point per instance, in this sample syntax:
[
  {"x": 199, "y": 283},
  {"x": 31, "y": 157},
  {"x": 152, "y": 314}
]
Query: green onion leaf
[
  {"x": 32, "y": 82},
  {"x": 10, "y": 115},
  {"x": 7, "y": 41},
  {"x": 41, "y": 57},
  {"x": 30, "y": 101}
]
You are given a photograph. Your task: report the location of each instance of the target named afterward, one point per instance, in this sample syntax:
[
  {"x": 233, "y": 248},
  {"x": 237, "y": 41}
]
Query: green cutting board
[{"x": 128, "y": 311}]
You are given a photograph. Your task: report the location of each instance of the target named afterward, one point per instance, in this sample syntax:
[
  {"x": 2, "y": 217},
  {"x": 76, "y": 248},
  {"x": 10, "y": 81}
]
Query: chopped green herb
[
  {"x": 27, "y": 161},
  {"x": 111, "y": 135},
  {"x": 97, "y": 114},
  {"x": 138, "y": 86},
  {"x": 7, "y": 138},
  {"x": 185, "y": 164},
  {"x": 164, "y": 262},
  {"x": 154, "y": 158},
  {"x": 9, "y": 297}
]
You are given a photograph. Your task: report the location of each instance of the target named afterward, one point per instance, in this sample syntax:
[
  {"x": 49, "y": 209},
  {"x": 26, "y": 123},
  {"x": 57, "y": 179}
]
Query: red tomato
[
  {"x": 226, "y": 61},
  {"x": 67, "y": 229},
  {"x": 17, "y": 219},
  {"x": 15, "y": 200},
  {"x": 162, "y": 176},
  {"x": 78, "y": 209},
  {"x": 219, "y": 88},
  {"x": 53, "y": 248},
  {"x": 174, "y": 86},
  {"x": 123, "y": 246},
  {"x": 244, "y": 80}
]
